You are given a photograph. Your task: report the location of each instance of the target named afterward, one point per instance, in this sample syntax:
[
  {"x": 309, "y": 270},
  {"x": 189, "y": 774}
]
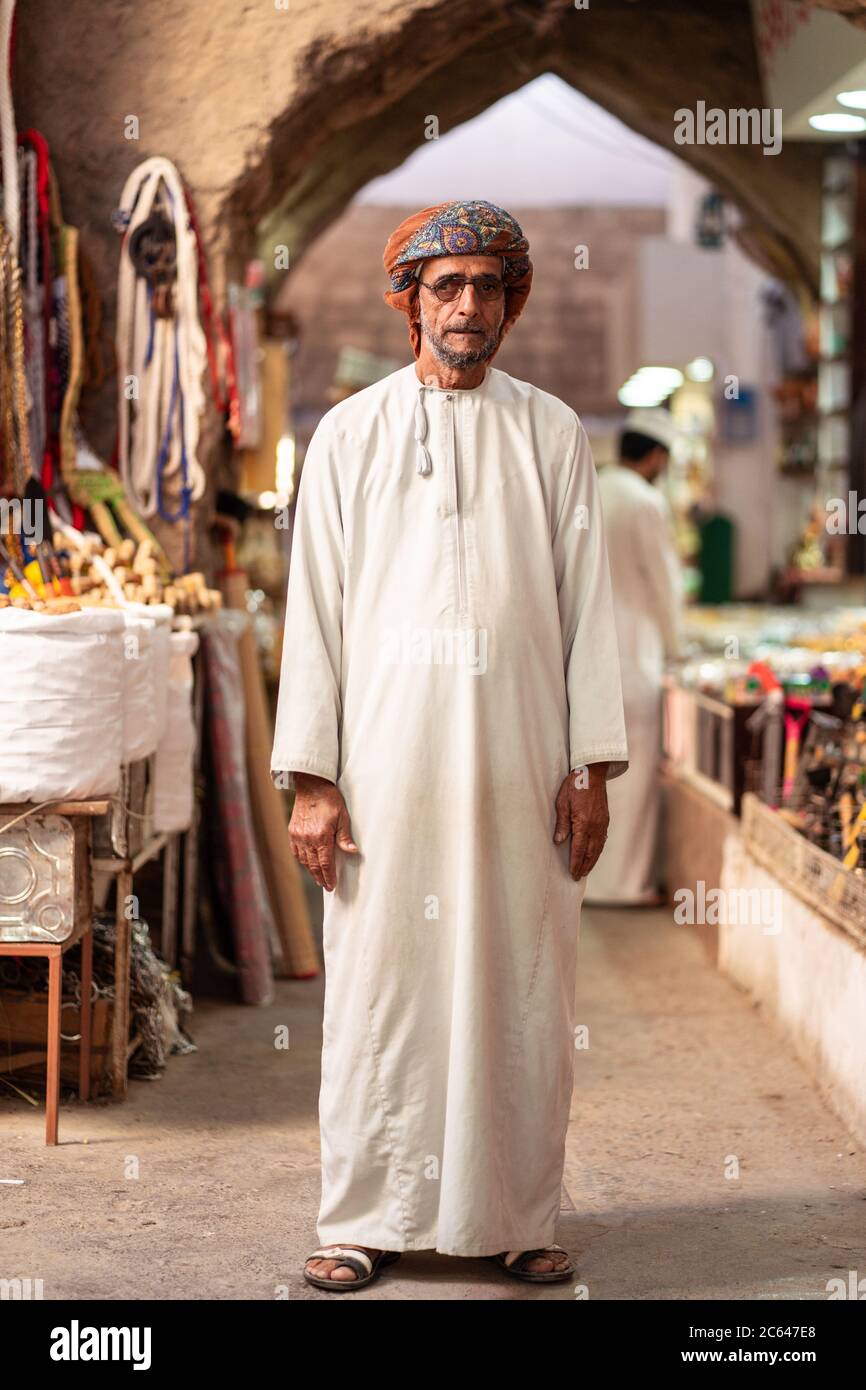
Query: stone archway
[
  {"x": 276, "y": 116},
  {"x": 370, "y": 113}
]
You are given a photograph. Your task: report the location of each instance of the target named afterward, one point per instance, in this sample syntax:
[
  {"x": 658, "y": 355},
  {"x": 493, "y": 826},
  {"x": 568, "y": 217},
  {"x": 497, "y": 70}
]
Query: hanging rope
[
  {"x": 7, "y": 397},
  {"x": 98, "y": 348},
  {"x": 8, "y": 138},
  {"x": 13, "y": 384},
  {"x": 41, "y": 376},
  {"x": 160, "y": 359},
  {"x": 34, "y": 303},
  {"x": 68, "y": 257}
]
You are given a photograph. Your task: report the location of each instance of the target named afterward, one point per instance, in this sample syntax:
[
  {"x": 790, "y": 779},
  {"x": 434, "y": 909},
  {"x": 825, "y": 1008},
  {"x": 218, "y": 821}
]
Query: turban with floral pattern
[{"x": 456, "y": 229}]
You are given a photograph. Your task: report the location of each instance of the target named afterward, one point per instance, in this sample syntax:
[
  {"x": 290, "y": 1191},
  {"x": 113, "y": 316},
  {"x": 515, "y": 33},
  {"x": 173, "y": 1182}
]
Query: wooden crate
[{"x": 24, "y": 1032}]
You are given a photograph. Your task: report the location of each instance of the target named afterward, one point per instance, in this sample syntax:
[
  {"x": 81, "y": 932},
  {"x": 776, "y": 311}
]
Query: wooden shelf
[{"x": 56, "y": 808}]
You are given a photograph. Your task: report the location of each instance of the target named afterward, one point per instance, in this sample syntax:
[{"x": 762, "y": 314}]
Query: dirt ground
[{"x": 205, "y": 1184}]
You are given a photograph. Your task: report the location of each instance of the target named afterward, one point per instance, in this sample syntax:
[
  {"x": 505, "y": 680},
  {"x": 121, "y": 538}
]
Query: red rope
[{"x": 51, "y": 455}]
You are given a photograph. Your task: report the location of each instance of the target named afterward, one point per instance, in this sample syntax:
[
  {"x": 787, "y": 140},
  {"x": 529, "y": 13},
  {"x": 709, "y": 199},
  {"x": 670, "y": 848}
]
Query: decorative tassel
[{"x": 425, "y": 463}]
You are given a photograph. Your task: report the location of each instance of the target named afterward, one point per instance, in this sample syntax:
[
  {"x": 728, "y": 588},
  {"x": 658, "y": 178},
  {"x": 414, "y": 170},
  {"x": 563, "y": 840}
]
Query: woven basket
[{"x": 815, "y": 876}]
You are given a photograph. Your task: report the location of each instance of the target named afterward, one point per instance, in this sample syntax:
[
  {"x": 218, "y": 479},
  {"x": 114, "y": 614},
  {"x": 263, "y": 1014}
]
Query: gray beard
[{"x": 452, "y": 357}]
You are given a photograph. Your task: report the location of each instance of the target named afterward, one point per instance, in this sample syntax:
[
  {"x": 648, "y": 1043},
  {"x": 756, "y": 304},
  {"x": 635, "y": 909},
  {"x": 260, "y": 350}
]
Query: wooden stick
[{"x": 52, "y": 1076}]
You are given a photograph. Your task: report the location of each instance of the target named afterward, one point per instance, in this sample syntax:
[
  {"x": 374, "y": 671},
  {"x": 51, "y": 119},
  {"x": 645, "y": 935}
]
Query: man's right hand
[{"x": 319, "y": 825}]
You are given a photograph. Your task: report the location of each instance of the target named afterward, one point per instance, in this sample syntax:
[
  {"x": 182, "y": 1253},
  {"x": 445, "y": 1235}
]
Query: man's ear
[{"x": 415, "y": 335}]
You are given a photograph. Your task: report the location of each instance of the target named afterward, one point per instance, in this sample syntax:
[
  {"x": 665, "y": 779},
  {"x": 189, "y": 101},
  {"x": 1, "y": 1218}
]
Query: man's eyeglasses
[{"x": 450, "y": 287}]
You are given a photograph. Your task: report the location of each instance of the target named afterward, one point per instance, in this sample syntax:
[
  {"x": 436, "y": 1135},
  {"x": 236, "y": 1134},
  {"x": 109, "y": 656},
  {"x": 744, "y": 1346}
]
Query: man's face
[
  {"x": 656, "y": 461},
  {"x": 468, "y": 329}
]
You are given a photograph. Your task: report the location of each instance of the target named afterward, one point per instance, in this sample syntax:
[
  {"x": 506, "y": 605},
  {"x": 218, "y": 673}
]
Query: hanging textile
[
  {"x": 244, "y": 302},
  {"x": 161, "y": 348},
  {"x": 220, "y": 350}
]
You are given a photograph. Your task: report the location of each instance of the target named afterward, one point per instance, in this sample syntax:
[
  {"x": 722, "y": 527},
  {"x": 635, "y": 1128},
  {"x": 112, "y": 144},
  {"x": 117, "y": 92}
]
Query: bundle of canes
[{"x": 102, "y": 494}]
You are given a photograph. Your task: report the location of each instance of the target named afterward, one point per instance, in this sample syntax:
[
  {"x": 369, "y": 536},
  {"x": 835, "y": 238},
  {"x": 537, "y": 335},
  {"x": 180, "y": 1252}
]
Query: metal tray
[{"x": 37, "y": 879}]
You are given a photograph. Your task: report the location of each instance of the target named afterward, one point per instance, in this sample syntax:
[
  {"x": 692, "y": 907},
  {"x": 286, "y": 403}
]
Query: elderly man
[{"x": 450, "y": 711}]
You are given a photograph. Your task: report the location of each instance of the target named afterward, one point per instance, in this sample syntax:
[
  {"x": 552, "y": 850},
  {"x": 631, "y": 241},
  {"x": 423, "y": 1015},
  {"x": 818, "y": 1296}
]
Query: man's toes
[
  {"x": 328, "y": 1269},
  {"x": 331, "y": 1268},
  {"x": 546, "y": 1264}
]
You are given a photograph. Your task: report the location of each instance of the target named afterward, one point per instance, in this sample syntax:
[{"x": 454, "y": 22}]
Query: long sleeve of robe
[
  {"x": 590, "y": 652},
  {"x": 449, "y": 654},
  {"x": 309, "y": 706}
]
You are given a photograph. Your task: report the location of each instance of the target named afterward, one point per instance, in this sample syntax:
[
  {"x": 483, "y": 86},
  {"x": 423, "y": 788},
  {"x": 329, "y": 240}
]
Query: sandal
[
  {"x": 366, "y": 1269},
  {"x": 514, "y": 1262}
]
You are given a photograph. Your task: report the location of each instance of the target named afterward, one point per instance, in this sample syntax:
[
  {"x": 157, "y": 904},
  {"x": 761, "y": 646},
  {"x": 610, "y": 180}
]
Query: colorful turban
[{"x": 456, "y": 229}]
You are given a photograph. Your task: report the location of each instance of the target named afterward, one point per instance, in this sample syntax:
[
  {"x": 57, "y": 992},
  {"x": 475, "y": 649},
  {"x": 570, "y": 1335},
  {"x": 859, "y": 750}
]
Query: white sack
[
  {"x": 146, "y": 648},
  {"x": 61, "y": 704},
  {"x": 173, "y": 775}
]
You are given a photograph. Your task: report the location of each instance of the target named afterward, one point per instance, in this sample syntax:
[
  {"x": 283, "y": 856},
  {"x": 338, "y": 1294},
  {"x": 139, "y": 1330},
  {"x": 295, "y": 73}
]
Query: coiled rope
[{"x": 159, "y": 360}]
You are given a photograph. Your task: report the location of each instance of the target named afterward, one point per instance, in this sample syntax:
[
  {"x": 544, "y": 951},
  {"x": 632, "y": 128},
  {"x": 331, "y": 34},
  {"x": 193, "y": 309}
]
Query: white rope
[
  {"x": 8, "y": 134},
  {"x": 144, "y": 422},
  {"x": 31, "y": 811}
]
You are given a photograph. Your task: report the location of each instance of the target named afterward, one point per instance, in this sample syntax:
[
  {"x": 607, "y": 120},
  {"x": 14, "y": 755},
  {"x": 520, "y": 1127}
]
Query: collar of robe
[{"x": 424, "y": 463}]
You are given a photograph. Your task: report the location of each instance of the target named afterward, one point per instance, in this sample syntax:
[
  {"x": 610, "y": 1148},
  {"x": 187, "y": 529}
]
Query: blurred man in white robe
[
  {"x": 450, "y": 711},
  {"x": 647, "y": 591}
]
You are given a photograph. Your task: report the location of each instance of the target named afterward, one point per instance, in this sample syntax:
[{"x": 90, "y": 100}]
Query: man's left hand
[{"x": 581, "y": 812}]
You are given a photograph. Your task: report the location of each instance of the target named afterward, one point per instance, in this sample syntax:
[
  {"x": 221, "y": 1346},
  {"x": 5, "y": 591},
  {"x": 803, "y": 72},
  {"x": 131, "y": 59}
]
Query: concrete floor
[{"x": 682, "y": 1072}]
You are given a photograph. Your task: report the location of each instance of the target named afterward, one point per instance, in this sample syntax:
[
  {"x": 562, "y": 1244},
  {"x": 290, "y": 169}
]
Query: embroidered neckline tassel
[{"x": 425, "y": 463}]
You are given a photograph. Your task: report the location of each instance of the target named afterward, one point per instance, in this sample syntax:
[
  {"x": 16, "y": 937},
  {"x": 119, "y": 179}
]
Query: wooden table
[
  {"x": 81, "y": 814},
  {"x": 122, "y": 867},
  {"x": 126, "y": 854}
]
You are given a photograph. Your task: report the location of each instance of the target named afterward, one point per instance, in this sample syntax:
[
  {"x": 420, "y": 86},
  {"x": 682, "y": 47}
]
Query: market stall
[
  {"x": 765, "y": 781},
  {"x": 133, "y": 716}
]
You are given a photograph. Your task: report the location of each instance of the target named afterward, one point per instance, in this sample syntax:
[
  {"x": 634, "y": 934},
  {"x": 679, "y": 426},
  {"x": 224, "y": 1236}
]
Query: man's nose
[{"x": 472, "y": 305}]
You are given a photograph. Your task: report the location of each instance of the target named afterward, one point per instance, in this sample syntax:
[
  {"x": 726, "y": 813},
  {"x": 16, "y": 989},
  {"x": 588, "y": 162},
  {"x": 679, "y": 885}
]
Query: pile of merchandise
[
  {"x": 827, "y": 802},
  {"x": 160, "y": 1009},
  {"x": 805, "y": 679},
  {"x": 84, "y": 572}
]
